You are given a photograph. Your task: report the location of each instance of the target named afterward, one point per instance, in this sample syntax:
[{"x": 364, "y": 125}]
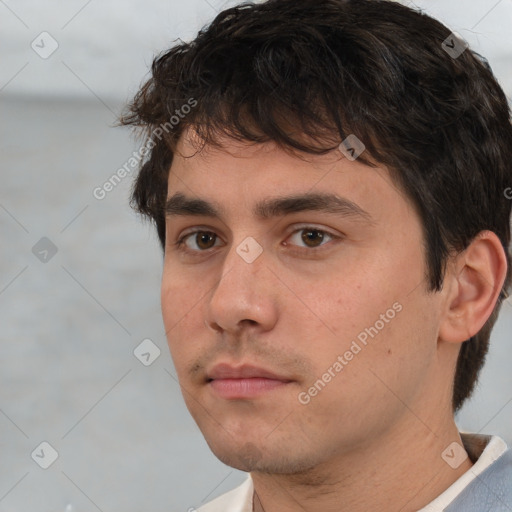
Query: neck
[{"x": 400, "y": 470}]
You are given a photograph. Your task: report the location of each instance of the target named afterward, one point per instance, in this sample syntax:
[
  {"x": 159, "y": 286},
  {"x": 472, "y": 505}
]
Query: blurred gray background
[{"x": 80, "y": 276}]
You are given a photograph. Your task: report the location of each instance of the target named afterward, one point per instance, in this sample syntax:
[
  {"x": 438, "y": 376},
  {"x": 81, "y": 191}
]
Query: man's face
[{"x": 335, "y": 306}]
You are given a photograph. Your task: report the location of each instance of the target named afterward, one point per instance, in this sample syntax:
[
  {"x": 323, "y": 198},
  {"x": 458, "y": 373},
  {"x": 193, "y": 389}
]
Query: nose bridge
[
  {"x": 241, "y": 292},
  {"x": 241, "y": 265}
]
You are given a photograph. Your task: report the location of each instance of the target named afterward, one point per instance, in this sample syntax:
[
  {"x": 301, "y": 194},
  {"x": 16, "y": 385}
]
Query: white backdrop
[{"x": 107, "y": 45}]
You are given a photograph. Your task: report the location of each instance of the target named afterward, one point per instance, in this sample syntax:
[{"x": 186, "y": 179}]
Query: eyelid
[
  {"x": 181, "y": 241},
  {"x": 312, "y": 227},
  {"x": 292, "y": 229}
]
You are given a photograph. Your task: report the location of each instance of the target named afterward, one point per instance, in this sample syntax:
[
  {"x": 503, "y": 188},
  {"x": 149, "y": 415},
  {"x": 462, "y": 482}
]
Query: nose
[{"x": 245, "y": 294}]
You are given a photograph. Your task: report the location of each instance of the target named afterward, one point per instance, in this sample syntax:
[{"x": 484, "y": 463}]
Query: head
[{"x": 415, "y": 262}]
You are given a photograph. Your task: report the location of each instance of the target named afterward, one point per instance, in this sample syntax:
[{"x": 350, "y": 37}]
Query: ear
[{"x": 473, "y": 284}]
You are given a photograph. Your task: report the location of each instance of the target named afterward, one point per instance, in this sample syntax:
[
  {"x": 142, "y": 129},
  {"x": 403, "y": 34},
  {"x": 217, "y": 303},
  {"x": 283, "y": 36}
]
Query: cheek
[
  {"x": 180, "y": 294},
  {"x": 181, "y": 305},
  {"x": 349, "y": 300},
  {"x": 378, "y": 378},
  {"x": 372, "y": 320}
]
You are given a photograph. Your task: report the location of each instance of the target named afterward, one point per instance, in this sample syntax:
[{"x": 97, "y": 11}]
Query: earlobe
[{"x": 476, "y": 278}]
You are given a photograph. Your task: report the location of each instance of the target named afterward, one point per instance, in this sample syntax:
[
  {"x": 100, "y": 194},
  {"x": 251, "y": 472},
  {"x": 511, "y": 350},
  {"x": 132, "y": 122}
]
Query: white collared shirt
[{"x": 487, "y": 449}]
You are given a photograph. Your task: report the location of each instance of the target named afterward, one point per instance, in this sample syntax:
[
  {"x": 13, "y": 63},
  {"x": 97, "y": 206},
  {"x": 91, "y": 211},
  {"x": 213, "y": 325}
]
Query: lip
[
  {"x": 245, "y": 381},
  {"x": 245, "y": 371}
]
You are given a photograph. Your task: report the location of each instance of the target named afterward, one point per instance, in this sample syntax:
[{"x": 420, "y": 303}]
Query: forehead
[
  {"x": 267, "y": 180},
  {"x": 192, "y": 156}
]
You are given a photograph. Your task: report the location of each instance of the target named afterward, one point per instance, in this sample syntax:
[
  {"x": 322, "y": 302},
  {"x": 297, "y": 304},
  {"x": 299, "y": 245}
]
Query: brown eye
[
  {"x": 312, "y": 237},
  {"x": 203, "y": 240},
  {"x": 205, "y": 237}
]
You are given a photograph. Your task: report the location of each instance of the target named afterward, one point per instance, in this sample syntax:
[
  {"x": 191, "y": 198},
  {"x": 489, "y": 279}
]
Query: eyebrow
[{"x": 181, "y": 205}]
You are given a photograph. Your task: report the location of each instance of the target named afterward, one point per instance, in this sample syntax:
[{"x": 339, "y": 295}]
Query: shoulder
[{"x": 491, "y": 489}]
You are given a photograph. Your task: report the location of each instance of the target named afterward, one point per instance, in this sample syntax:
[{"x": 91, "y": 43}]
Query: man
[{"x": 328, "y": 180}]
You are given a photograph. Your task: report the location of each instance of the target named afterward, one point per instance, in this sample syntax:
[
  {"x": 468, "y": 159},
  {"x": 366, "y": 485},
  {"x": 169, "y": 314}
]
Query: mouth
[{"x": 244, "y": 382}]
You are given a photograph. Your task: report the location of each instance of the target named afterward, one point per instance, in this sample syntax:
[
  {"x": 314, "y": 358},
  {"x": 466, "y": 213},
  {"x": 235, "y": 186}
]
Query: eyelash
[{"x": 180, "y": 243}]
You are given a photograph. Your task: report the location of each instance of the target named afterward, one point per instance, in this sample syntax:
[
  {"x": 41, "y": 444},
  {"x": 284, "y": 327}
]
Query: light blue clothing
[{"x": 491, "y": 491}]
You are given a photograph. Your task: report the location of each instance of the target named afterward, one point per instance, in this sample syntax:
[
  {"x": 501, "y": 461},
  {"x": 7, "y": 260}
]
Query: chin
[
  {"x": 250, "y": 457},
  {"x": 247, "y": 458}
]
